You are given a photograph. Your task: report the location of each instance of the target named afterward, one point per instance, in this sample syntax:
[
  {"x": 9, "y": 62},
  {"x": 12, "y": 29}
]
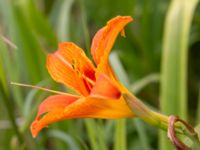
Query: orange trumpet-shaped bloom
[{"x": 99, "y": 91}]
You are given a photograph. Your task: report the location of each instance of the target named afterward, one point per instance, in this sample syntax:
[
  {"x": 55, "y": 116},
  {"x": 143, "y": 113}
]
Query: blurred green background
[{"x": 159, "y": 61}]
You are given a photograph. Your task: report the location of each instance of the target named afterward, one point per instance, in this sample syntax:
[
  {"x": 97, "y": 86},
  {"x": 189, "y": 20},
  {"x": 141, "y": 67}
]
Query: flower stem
[
  {"x": 161, "y": 121},
  {"x": 142, "y": 111}
]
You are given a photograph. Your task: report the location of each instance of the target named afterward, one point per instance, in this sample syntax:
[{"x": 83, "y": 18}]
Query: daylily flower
[{"x": 99, "y": 91}]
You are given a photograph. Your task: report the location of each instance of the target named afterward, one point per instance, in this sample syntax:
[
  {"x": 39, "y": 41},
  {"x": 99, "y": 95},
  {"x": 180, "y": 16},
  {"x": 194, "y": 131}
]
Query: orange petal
[
  {"x": 91, "y": 107},
  {"x": 109, "y": 109},
  {"x": 105, "y": 68},
  {"x": 104, "y": 39},
  {"x": 105, "y": 88},
  {"x": 51, "y": 104},
  {"x": 55, "y": 102},
  {"x": 51, "y": 117},
  {"x": 69, "y": 65},
  {"x": 84, "y": 108}
]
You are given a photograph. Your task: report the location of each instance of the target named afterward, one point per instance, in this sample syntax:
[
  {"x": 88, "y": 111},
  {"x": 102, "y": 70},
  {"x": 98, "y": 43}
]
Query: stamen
[
  {"x": 88, "y": 79},
  {"x": 63, "y": 60},
  {"x": 79, "y": 72},
  {"x": 41, "y": 88}
]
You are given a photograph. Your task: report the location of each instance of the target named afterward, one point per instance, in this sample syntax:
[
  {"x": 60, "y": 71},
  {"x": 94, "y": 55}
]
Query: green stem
[
  {"x": 142, "y": 111},
  {"x": 156, "y": 119},
  {"x": 151, "y": 117}
]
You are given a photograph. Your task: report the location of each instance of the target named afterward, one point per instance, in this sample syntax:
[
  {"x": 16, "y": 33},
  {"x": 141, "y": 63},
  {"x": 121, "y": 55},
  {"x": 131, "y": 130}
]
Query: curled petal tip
[
  {"x": 34, "y": 130},
  {"x": 104, "y": 39},
  {"x": 51, "y": 109},
  {"x": 128, "y": 18}
]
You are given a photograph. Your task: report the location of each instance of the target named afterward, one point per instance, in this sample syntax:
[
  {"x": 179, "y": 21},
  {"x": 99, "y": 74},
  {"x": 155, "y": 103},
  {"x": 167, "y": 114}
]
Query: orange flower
[{"x": 100, "y": 92}]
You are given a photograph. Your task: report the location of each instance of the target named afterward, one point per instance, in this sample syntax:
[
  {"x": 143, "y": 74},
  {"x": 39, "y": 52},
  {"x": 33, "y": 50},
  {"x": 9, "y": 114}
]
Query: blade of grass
[
  {"x": 101, "y": 135},
  {"x": 6, "y": 99},
  {"x": 83, "y": 144},
  {"x": 142, "y": 134},
  {"x": 96, "y": 134},
  {"x": 7, "y": 57},
  {"x": 120, "y": 135},
  {"x": 2, "y": 73},
  {"x": 39, "y": 23},
  {"x": 174, "y": 61},
  {"x": 8, "y": 54},
  {"x": 90, "y": 126},
  {"x": 140, "y": 84},
  {"x": 60, "y": 17},
  {"x": 198, "y": 108},
  {"x": 120, "y": 125},
  {"x": 68, "y": 139},
  {"x": 85, "y": 28},
  {"x": 30, "y": 55}
]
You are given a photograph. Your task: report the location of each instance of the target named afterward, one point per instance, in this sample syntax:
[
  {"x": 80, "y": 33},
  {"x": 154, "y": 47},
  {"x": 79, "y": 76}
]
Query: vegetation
[{"x": 158, "y": 61}]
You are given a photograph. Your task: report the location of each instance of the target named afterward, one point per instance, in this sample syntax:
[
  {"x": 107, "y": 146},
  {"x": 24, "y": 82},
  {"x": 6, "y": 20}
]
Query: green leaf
[
  {"x": 174, "y": 61},
  {"x": 198, "y": 108},
  {"x": 60, "y": 17},
  {"x": 140, "y": 84},
  {"x": 68, "y": 139},
  {"x": 120, "y": 135},
  {"x": 95, "y": 135}
]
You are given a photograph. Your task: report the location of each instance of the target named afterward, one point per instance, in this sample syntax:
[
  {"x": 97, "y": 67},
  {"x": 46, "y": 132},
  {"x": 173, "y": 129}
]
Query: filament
[{"x": 40, "y": 88}]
